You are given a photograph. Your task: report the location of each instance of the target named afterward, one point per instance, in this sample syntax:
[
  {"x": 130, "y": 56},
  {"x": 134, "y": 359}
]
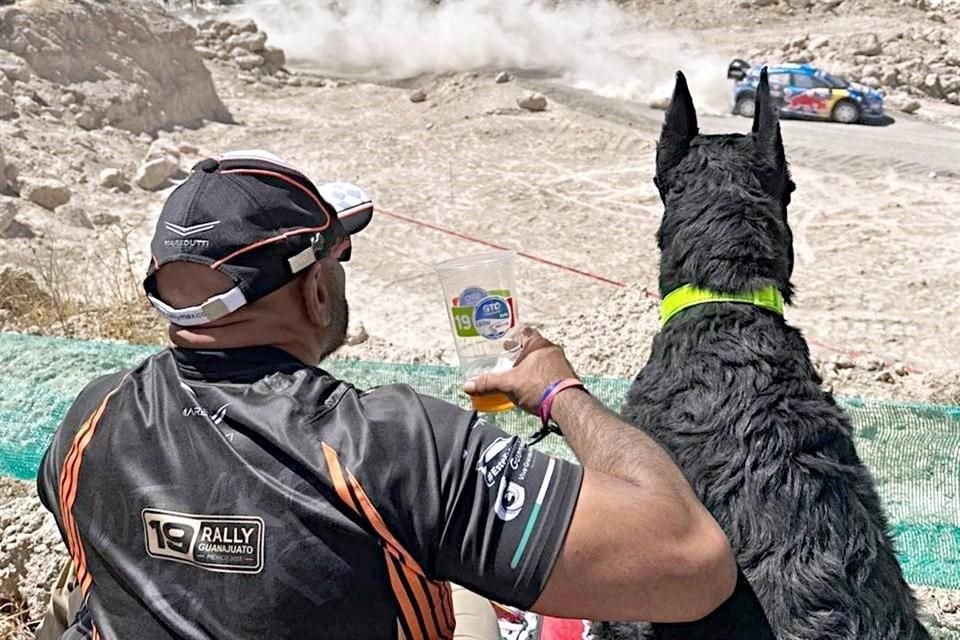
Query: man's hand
[{"x": 540, "y": 363}]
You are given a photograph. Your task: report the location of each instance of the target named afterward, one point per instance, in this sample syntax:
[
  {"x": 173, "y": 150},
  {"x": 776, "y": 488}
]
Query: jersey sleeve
[{"x": 506, "y": 508}]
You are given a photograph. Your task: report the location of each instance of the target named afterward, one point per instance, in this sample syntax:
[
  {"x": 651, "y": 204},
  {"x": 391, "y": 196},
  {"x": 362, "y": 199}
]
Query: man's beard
[{"x": 337, "y": 332}]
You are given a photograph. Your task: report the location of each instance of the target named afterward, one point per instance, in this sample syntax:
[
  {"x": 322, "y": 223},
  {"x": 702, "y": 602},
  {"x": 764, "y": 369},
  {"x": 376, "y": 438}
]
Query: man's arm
[{"x": 640, "y": 546}]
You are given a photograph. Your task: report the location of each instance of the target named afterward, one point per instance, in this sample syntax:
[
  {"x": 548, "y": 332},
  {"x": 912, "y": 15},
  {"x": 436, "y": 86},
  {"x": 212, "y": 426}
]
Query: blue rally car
[{"x": 803, "y": 90}]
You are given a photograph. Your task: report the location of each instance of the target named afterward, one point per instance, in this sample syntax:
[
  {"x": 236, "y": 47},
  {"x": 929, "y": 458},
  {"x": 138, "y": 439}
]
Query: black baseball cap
[{"x": 257, "y": 220}]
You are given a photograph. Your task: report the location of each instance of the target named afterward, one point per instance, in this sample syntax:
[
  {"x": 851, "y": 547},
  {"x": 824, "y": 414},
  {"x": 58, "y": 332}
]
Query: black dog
[{"x": 730, "y": 392}]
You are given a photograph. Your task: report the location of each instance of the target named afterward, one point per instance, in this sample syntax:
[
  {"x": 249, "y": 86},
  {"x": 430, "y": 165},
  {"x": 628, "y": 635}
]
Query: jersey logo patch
[{"x": 229, "y": 544}]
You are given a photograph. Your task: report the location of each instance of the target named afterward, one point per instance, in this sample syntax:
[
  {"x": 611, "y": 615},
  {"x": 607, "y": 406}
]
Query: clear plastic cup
[{"x": 479, "y": 292}]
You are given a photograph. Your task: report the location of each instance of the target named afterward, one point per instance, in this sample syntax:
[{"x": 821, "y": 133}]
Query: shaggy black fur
[{"x": 730, "y": 392}]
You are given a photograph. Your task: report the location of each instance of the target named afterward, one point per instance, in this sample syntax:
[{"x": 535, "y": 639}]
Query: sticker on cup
[
  {"x": 470, "y": 296},
  {"x": 492, "y": 317}
]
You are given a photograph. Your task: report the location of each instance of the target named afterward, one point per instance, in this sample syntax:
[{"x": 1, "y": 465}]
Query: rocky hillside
[{"x": 119, "y": 63}]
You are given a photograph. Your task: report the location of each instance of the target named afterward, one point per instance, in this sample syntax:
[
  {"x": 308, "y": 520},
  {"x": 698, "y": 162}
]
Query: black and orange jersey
[{"x": 242, "y": 494}]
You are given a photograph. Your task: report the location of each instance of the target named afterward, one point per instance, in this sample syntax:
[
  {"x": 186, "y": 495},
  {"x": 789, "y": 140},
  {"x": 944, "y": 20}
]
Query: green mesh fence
[{"x": 912, "y": 449}]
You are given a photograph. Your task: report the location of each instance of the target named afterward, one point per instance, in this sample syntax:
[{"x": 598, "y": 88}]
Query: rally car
[{"x": 803, "y": 90}]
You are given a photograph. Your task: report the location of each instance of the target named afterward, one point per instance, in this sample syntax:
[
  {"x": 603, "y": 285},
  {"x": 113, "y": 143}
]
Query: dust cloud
[{"x": 595, "y": 46}]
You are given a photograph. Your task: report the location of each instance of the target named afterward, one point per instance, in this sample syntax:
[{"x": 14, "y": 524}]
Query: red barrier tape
[
  {"x": 529, "y": 256},
  {"x": 586, "y": 274}
]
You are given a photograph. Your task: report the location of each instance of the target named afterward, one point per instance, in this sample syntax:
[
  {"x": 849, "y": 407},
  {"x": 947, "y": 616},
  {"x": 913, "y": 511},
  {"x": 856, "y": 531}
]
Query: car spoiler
[{"x": 738, "y": 69}]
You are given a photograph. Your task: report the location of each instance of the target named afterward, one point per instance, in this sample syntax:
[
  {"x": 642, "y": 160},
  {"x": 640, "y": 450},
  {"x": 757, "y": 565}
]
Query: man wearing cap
[{"x": 227, "y": 487}]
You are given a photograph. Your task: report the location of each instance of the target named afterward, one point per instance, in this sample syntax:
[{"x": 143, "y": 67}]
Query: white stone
[
  {"x": 154, "y": 173},
  {"x": 910, "y": 106},
  {"x": 26, "y": 104},
  {"x": 15, "y": 71},
  {"x": 250, "y": 61},
  {"x": 244, "y": 26},
  {"x": 253, "y": 42},
  {"x": 532, "y": 101},
  {"x": 111, "y": 178},
  {"x": 868, "y": 45},
  {"x": 74, "y": 214},
  {"x": 46, "y": 192},
  {"x": 418, "y": 95},
  {"x": 502, "y": 77},
  {"x": 87, "y": 119},
  {"x": 163, "y": 147}
]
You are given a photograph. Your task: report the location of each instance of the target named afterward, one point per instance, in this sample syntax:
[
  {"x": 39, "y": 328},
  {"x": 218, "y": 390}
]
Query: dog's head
[{"x": 725, "y": 196}]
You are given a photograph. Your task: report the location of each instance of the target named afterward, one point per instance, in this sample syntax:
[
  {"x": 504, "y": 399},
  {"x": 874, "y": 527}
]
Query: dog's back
[{"x": 730, "y": 391}]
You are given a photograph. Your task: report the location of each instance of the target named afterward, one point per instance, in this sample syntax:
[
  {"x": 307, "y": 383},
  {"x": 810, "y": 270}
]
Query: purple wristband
[{"x": 550, "y": 393}]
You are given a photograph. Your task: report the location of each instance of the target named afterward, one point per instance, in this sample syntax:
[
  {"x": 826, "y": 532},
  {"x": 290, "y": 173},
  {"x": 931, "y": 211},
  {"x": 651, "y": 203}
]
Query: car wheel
[
  {"x": 746, "y": 105},
  {"x": 846, "y": 112}
]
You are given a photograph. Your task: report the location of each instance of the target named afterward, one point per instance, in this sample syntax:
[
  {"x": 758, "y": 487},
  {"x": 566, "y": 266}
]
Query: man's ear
[{"x": 315, "y": 290}]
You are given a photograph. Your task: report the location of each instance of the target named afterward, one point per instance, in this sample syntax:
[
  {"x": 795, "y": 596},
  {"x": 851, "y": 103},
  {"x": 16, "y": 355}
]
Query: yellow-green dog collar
[{"x": 688, "y": 296}]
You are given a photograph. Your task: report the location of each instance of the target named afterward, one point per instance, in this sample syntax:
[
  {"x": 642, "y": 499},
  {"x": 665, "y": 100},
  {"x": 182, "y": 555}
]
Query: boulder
[
  {"x": 87, "y": 118},
  {"x": 111, "y": 178},
  {"x": 931, "y": 85},
  {"x": 532, "y": 101},
  {"x": 155, "y": 173},
  {"x": 104, "y": 219},
  {"x": 909, "y": 106},
  {"x": 274, "y": 58},
  {"x": 163, "y": 147},
  {"x": 250, "y": 61},
  {"x": 868, "y": 45},
  {"x": 74, "y": 215},
  {"x": 253, "y": 42},
  {"x": 243, "y": 26},
  {"x": 46, "y": 192},
  {"x": 205, "y": 52},
  {"x": 14, "y": 68},
  {"x": 950, "y": 84},
  {"x": 502, "y": 77},
  {"x": 418, "y": 95},
  {"x": 26, "y": 104}
]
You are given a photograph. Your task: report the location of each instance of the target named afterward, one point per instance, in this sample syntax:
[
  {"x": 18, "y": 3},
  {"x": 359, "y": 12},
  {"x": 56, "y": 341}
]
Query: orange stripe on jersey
[
  {"x": 428, "y": 603},
  {"x": 432, "y": 599},
  {"x": 69, "y": 481},
  {"x": 64, "y": 488},
  {"x": 336, "y": 474},
  {"x": 411, "y": 621}
]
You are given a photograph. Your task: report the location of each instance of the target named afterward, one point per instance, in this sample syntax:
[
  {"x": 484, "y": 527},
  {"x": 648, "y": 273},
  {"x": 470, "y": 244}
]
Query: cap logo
[{"x": 183, "y": 232}]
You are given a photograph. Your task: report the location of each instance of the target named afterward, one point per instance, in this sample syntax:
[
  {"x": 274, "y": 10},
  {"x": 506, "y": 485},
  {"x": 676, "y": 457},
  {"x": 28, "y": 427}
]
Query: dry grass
[
  {"x": 15, "y": 623},
  {"x": 100, "y": 300}
]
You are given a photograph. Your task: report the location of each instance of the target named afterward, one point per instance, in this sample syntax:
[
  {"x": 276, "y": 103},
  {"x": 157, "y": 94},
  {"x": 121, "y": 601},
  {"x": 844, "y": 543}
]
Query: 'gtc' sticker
[
  {"x": 492, "y": 317},
  {"x": 479, "y": 313},
  {"x": 231, "y": 544}
]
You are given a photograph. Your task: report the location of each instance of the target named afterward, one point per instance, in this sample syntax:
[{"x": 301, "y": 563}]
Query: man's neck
[{"x": 241, "y": 334}]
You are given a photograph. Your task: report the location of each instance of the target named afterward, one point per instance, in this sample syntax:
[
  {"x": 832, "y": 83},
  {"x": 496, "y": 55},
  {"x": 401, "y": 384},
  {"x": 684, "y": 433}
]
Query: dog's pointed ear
[
  {"x": 766, "y": 120},
  {"x": 679, "y": 128}
]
